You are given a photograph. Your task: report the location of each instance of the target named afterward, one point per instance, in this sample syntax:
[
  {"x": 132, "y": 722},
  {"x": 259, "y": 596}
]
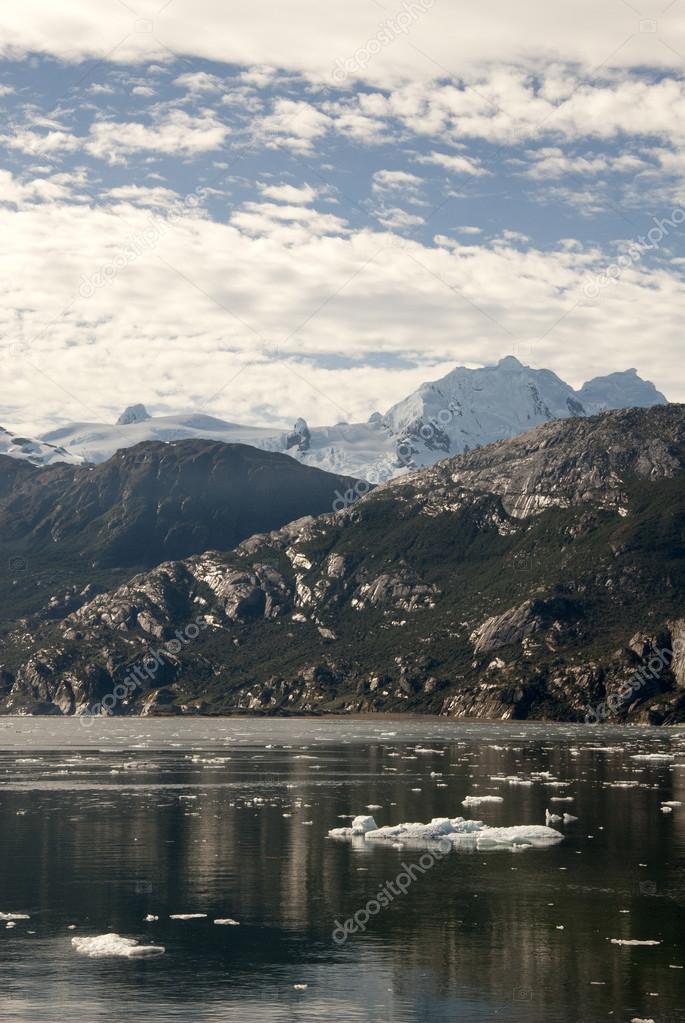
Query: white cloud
[
  {"x": 292, "y": 124},
  {"x": 395, "y": 180},
  {"x": 309, "y": 37},
  {"x": 456, "y": 164},
  {"x": 199, "y": 81},
  {"x": 177, "y": 133},
  {"x": 289, "y": 193},
  {"x": 206, "y": 301},
  {"x": 397, "y": 219},
  {"x": 552, "y": 162}
]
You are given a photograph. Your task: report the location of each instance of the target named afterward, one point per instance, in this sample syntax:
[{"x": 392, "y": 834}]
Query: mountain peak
[
  {"x": 510, "y": 362},
  {"x": 133, "y": 414}
]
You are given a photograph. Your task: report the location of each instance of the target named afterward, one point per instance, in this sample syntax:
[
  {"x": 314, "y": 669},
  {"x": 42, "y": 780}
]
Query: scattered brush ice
[
  {"x": 477, "y": 800},
  {"x": 227, "y": 922},
  {"x": 632, "y": 942},
  {"x": 14, "y": 916},
  {"x": 652, "y": 756},
  {"x": 104, "y": 945},
  {"x": 187, "y": 916},
  {"x": 360, "y": 826}
]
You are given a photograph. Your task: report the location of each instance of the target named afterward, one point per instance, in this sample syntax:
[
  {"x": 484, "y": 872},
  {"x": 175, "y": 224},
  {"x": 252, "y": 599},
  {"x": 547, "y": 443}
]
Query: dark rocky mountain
[
  {"x": 542, "y": 576},
  {"x": 67, "y": 526}
]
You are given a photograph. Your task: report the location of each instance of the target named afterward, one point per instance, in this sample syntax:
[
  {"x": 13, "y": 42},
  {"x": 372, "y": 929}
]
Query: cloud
[
  {"x": 289, "y": 193},
  {"x": 192, "y": 310},
  {"x": 456, "y": 164},
  {"x": 176, "y": 133},
  {"x": 308, "y": 37},
  {"x": 199, "y": 81},
  {"x": 396, "y": 218},
  {"x": 395, "y": 180},
  {"x": 292, "y": 124}
]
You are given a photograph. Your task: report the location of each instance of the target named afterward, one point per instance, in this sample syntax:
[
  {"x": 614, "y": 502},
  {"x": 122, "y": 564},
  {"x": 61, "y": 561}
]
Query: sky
[{"x": 280, "y": 209}]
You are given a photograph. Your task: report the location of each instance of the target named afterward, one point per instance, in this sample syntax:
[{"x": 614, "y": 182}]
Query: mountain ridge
[
  {"x": 466, "y": 408},
  {"x": 534, "y": 578}
]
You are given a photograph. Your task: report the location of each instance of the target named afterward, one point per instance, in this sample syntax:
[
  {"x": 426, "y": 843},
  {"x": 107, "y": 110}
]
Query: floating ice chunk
[
  {"x": 150, "y": 918},
  {"x": 667, "y": 809},
  {"x": 551, "y": 818},
  {"x": 187, "y": 916},
  {"x": 632, "y": 941},
  {"x": 522, "y": 834},
  {"x": 569, "y": 818},
  {"x": 300, "y": 987},
  {"x": 438, "y": 828},
  {"x": 639, "y": 1019},
  {"x": 671, "y": 802},
  {"x": 460, "y": 833},
  {"x": 14, "y": 916},
  {"x": 114, "y": 945},
  {"x": 652, "y": 756},
  {"x": 227, "y": 922},
  {"x": 360, "y": 826},
  {"x": 476, "y": 800}
]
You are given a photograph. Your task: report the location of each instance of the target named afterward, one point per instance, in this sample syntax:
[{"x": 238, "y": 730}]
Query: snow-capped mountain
[
  {"x": 38, "y": 452},
  {"x": 467, "y": 408}
]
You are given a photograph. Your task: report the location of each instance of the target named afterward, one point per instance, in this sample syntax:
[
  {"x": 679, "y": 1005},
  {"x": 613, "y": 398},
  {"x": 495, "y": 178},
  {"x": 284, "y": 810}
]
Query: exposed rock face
[
  {"x": 133, "y": 414},
  {"x": 147, "y": 504},
  {"x": 543, "y": 577}
]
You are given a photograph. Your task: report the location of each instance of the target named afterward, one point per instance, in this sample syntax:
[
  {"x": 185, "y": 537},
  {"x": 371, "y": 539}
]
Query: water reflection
[{"x": 230, "y": 819}]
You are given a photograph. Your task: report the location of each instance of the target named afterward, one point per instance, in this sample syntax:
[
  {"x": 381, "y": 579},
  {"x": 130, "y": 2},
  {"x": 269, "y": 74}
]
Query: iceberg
[
  {"x": 475, "y": 800},
  {"x": 458, "y": 832},
  {"x": 105, "y": 945},
  {"x": 360, "y": 826}
]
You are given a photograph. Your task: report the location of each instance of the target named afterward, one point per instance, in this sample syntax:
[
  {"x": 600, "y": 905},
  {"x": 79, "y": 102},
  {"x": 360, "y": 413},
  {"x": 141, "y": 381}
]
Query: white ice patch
[
  {"x": 227, "y": 922},
  {"x": 104, "y": 945},
  {"x": 360, "y": 826},
  {"x": 476, "y": 800},
  {"x": 632, "y": 942},
  {"x": 187, "y": 916},
  {"x": 459, "y": 832},
  {"x": 14, "y": 916}
]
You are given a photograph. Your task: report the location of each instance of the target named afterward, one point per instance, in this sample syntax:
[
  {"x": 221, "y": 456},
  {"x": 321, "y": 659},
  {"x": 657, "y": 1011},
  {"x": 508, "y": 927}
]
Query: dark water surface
[{"x": 101, "y": 826}]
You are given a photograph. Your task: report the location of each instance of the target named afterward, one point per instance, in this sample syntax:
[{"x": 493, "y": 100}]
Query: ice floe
[
  {"x": 477, "y": 800},
  {"x": 458, "y": 832},
  {"x": 227, "y": 922},
  {"x": 632, "y": 942},
  {"x": 187, "y": 916},
  {"x": 360, "y": 826},
  {"x": 103, "y": 945},
  {"x": 14, "y": 916}
]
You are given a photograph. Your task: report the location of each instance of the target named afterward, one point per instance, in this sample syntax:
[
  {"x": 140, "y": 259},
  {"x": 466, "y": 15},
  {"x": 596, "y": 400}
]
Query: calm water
[{"x": 101, "y": 827}]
